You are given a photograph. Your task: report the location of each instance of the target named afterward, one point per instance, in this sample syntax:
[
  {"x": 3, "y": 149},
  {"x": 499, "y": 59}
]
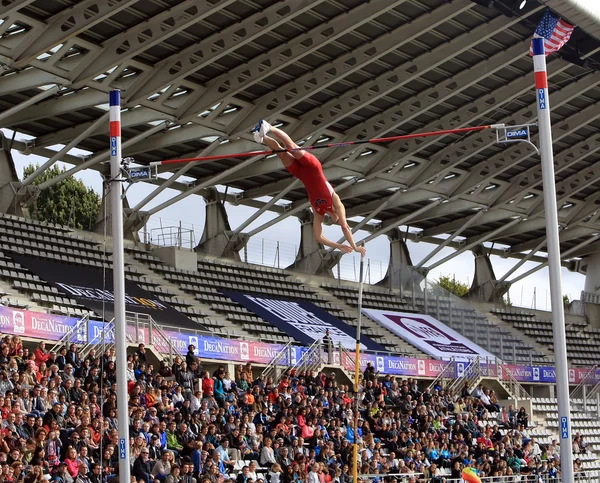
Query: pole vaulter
[{"x": 307, "y": 168}]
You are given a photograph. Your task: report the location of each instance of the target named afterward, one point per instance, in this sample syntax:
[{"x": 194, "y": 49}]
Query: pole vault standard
[
  {"x": 333, "y": 145},
  {"x": 553, "y": 249},
  {"x": 116, "y": 193},
  {"x": 357, "y": 373}
]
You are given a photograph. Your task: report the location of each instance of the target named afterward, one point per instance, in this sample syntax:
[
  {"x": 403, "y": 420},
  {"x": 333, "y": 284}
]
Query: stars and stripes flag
[{"x": 555, "y": 31}]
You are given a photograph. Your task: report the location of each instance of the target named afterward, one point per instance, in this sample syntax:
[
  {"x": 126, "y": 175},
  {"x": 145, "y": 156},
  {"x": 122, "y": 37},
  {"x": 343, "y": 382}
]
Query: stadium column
[
  {"x": 591, "y": 295},
  {"x": 13, "y": 196},
  {"x": 400, "y": 266},
  {"x": 312, "y": 257},
  {"x": 116, "y": 194},
  {"x": 217, "y": 238},
  {"x": 485, "y": 287},
  {"x": 554, "y": 265},
  {"x": 132, "y": 223}
]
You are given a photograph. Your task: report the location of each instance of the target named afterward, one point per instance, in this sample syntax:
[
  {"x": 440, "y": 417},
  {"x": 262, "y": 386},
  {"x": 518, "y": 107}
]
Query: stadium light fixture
[{"x": 522, "y": 5}]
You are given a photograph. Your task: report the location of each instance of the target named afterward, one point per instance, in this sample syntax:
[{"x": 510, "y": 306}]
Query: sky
[{"x": 277, "y": 245}]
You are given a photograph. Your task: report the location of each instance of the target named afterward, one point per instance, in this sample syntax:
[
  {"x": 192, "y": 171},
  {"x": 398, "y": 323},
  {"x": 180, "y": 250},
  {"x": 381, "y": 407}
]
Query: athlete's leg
[
  {"x": 287, "y": 142},
  {"x": 286, "y": 158}
]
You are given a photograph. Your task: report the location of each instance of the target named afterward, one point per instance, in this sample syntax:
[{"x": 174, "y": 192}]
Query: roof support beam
[
  {"x": 355, "y": 99},
  {"x": 566, "y": 234},
  {"x": 449, "y": 240},
  {"x": 101, "y": 121},
  {"x": 402, "y": 220},
  {"x": 471, "y": 244},
  {"x": 198, "y": 56},
  {"x": 101, "y": 157},
  {"x": 213, "y": 180},
  {"x": 174, "y": 177},
  {"x": 563, "y": 256},
  {"x": 267, "y": 206},
  {"x": 26, "y": 103},
  {"x": 520, "y": 263},
  {"x": 28, "y": 79},
  {"x": 523, "y": 183},
  {"x": 146, "y": 34},
  {"x": 331, "y": 72},
  {"x": 281, "y": 56},
  {"x": 497, "y": 164},
  {"x": 67, "y": 24},
  {"x": 10, "y": 6}
]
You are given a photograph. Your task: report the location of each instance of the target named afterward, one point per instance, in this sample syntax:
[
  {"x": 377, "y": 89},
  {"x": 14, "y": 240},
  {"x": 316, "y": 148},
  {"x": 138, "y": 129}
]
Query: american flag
[{"x": 555, "y": 30}]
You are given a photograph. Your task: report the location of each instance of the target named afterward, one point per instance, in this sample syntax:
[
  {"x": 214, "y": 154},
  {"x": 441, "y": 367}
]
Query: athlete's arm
[
  {"x": 318, "y": 232},
  {"x": 340, "y": 210}
]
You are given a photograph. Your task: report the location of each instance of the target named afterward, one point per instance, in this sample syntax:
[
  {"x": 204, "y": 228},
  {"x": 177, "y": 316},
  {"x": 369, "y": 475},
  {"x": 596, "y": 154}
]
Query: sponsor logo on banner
[
  {"x": 518, "y": 134},
  {"x": 428, "y": 334},
  {"x": 53, "y": 327},
  {"x": 303, "y": 321}
]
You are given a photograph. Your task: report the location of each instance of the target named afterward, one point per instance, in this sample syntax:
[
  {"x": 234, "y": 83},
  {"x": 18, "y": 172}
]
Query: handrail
[
  {"x": 579, "y": 391},
  {"x": 448, "y": 373},
  {"x": 470, "y": 374},
  {"x": 67, "y": 337},
  {"x": 107, "y": 328},
  {"x": 282, "y": 359},
  {"x": 346, "y": 355},
  {"x": 513, "y": 386},
  {"x": 307, "y": 362},
  {"x": 156, "y": 335}
]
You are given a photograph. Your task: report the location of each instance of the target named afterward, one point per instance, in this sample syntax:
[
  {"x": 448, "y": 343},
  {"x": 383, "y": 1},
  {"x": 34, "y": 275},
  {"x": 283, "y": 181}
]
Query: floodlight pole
[
  {"x": 116, "y": 193},
  {"x": 554, "y": 267}
]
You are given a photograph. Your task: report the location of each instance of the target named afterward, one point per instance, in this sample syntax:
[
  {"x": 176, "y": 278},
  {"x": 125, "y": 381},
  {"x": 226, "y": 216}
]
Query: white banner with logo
[{"x": 428, "y": 334}]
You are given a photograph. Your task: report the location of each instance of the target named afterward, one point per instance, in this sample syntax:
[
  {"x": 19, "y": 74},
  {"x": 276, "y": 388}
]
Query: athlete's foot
[{"x": 260, "y": 131}]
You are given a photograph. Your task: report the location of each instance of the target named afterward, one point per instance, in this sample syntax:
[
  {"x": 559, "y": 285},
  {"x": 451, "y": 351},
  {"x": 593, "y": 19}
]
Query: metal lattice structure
[{"x": 196, "y": 75}]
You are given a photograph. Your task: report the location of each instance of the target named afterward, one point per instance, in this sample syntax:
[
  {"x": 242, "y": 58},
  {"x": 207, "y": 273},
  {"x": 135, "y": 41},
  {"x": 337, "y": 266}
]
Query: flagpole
[{"x": 554, "y": 267}]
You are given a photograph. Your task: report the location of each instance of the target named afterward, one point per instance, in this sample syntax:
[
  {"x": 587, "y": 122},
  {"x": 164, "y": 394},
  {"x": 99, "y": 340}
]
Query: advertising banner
[
  {"x": 53, "y": 327},
  {"x": 303, "y": 321},
  {"x": 428, "y": 334},
  {"x": 93, "y": 288}
]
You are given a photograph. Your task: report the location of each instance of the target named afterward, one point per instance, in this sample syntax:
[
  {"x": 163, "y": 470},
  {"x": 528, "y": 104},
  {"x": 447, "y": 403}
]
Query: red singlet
[{"x": 308, "y": 169}]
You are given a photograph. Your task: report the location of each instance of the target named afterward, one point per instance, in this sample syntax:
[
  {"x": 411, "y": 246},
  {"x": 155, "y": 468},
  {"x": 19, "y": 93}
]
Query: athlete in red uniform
[{"x": 307, "y": 168}]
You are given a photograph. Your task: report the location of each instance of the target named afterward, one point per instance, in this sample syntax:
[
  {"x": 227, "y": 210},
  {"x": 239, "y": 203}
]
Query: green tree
[
  {"x": 69, "y": 202},
  {"x": 566, "y": 300},
  {"x": 451, "y": 285}
]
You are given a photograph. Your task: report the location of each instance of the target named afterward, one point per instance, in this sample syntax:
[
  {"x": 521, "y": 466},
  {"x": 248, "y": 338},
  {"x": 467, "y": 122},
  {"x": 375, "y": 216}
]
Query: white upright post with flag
[
  {"x": 116, "y": 193},
  {"x": 554, "y": 267}
]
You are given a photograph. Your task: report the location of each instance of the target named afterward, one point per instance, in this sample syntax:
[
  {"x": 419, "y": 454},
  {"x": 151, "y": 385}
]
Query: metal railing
[
  {"x": 311, "y": 359},
  {"x": 171, "y": 236},
  {"x": 142, "y": 324},
  {"x": 471, "y": 373},
  {"x": 580, "y": 391},
  {"x": 80, "y": 330},
  {"x": 513, "y": 386},
  {"x": 447, "y": 375},
  {"x": 280, "y": 363}
]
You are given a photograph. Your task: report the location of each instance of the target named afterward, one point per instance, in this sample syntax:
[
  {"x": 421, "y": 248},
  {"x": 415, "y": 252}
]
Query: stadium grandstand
[{"x": 281, "y": 367}]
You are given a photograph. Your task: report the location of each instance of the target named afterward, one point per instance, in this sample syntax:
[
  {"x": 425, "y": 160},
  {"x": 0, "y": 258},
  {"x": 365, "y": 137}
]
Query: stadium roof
[{"x": 196, "y": 75}]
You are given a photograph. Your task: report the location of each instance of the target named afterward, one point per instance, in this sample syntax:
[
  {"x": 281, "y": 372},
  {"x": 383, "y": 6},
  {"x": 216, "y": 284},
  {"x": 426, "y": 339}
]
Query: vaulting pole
[
  {"x": 553, "y": 249},
  {"x": 357, "y": 373},
  {"x": 332, "y": 145},
  {"x": 116, "y": 193}
]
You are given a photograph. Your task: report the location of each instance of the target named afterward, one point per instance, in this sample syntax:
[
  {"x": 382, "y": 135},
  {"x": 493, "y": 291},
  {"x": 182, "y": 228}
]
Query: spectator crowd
[{"x": 59, "y": 423}]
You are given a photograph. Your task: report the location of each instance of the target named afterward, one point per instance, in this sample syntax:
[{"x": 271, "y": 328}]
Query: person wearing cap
[{"x": 62, "y": 475}]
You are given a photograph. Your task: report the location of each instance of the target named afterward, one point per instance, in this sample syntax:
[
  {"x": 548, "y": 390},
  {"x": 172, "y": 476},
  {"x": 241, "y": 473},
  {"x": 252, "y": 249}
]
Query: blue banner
[{"x": 302, "y": 320}]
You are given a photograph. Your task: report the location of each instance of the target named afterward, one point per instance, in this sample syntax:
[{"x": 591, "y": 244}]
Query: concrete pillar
[
  {"x": 131, "y": 229},
  {"x": 400, "y": 272},
  {"x": 312, "y": 257},
  {"x": 217, "y": 238},
  {"x": 591, "y": 291},
  {"x": 13, "y": 196},
  {"x": 485, "y": 287}
]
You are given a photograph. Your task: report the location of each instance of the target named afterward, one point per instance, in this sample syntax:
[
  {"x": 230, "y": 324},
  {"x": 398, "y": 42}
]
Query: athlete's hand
[
  {"x": 345, "y": 248},
  {"x": 362, "y": 251}
]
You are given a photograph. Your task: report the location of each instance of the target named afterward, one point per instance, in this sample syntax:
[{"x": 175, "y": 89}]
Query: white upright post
[
  {"x": 553, "y": 244},
  {"x": 116, "y": 192}
]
